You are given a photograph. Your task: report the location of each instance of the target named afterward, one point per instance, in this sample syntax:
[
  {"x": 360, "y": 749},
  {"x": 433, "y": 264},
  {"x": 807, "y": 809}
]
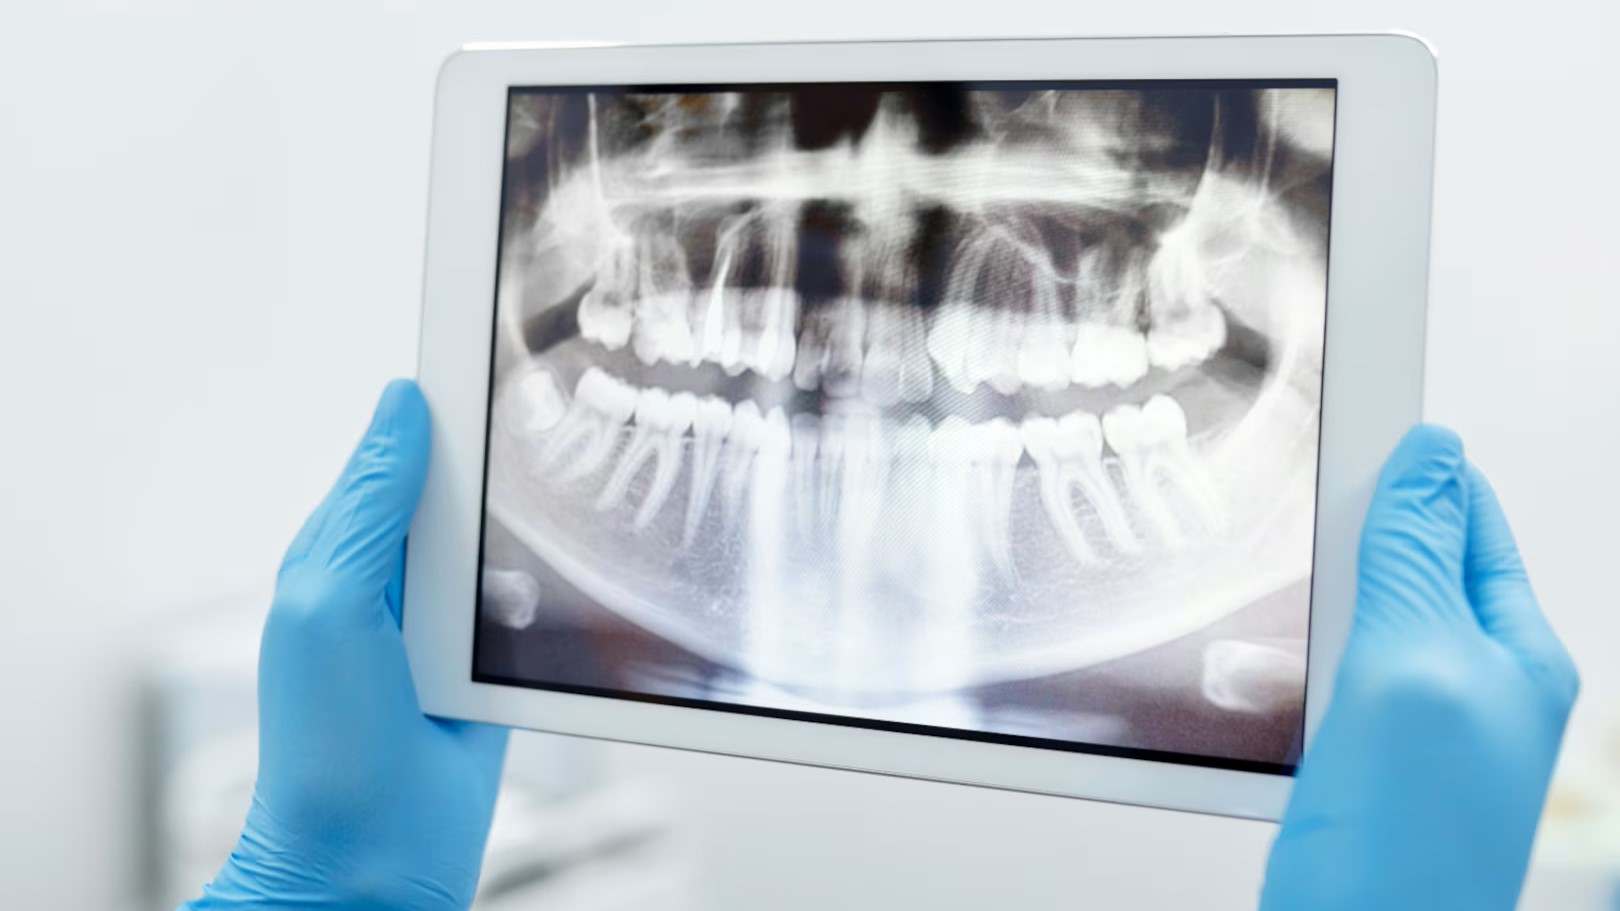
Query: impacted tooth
[
  {"x": 1187, "y": 339},
  {"x": 602, "y": 404},
  {"x": 605, "y": 318},
  {"x": 1153, "y": 450},
  {"x": 539, "y": 401},
  {"x": 1187, "y": 326},
  {"x": 711, "y": 422},
  {"x": 661, "y": 332},
  {"x": 1106, "y": 354},
  {"x": 1068, "y": 454}
]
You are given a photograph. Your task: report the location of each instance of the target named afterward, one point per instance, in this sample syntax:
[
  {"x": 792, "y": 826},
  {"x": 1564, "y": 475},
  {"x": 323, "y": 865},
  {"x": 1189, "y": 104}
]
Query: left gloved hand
[{"x": 361, "y": 801}]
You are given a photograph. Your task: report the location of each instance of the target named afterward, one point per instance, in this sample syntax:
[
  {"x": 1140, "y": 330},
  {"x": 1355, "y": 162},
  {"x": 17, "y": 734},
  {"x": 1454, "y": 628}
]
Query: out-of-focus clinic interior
[{"x": 212, "y": 218}]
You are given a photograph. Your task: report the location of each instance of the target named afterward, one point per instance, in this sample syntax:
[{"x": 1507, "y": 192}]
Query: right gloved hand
[{"x": 1424, "y": 784}]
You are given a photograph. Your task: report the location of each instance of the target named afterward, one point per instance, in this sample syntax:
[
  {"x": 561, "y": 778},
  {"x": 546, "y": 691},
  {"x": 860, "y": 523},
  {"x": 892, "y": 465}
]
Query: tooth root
[
  {"x": 999, "y": 453},
  {"x": 711, "y": 424},
  {"x": 1152, "y": 445},
  {"x": 602, "y": 404},
  {"x": 777, "y": 344},
  {"x": 642, "y": 440},
  {"x": 668, "y": 437},
  {"x": 1068, "y": 454},
  {"x": 806, "y": 436},
  {"x": 747, "y": 432},
  {"x": 880, "y": 371}
]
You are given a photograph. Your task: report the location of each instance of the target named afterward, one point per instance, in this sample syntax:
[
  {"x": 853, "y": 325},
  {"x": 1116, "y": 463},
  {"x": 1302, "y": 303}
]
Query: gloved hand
[
  {"x": 361, "y": 801},
  {"x": 1425, "y": 781}
]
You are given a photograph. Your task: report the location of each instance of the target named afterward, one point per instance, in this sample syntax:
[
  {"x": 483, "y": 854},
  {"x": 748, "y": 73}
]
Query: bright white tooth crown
[
  {"x": 777, "y": 345},
  {"x": 605, "y": 318},
  {"x": 541, "y": 403},
  {"x": 602, "y": 404},
  {"x": 661, "y": 331},
  {"x": 1187, "y": 339},
  {"x": 1187, "y": 327},
  {"x": 950, "y": 337},
  {"x": 1105, "y": 354},
  {"x": 1044, "y": 359}
]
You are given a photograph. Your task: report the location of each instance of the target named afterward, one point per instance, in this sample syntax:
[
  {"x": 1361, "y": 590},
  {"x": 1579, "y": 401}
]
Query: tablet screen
[{"x": 976, "y": 410}]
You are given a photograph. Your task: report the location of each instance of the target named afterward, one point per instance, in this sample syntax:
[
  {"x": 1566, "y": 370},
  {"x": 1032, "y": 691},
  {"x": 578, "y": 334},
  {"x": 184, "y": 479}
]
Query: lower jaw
[{"x": 899, "y": 598}]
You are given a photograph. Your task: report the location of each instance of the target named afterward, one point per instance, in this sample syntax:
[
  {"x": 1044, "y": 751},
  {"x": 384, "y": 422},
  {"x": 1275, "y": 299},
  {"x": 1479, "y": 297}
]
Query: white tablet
[{"x": 996, "y": 412}]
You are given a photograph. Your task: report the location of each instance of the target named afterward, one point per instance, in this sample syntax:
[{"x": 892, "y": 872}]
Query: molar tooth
[
  {"x": 747, "y": 432},
  {"x": 711, "y": 423},
  {"x": 1187, "y": 327},
  {"x": 1068, "y": 454},
  {"x": 951, "y": 335},
  {"x": 602, "y": 404},
  {"x": 605, "y": 317},
  {"x": 661, "y": 332},
  {"x": 1044, "y": 359},
  {"x": 661, "y": 422},
  {"x": 777, "y": 347},
  {"x": 841, "y": 375},
  {"x": 993, "y": 355},
  {"x": 1106, "y": 354},
  {"x": 535, "y": 403},
  {"x": 1152, "y": 445}
]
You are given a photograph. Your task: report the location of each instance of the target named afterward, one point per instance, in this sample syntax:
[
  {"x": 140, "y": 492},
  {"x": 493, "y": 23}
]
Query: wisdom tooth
[
  {"x": 1068, "y": 454},
  {"x": 661, "y": 332},
  {"x": 537, "y": 401},
  {"x": 711, "y": 422},
  {"x": 661, "y": 421},
  {"x": 1152, "y": 446},
  {"x": 602, "y": 404},
  {"x": 605, "y": 318},
  {"x": 1186, "y": 325}
]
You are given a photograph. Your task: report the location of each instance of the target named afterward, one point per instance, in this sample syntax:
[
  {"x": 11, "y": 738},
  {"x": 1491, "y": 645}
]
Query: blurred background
[{"x": 211, "y": 228}]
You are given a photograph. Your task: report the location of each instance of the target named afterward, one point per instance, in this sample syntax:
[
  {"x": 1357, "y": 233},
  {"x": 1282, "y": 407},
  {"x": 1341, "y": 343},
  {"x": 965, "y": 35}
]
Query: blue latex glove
[
  {"x": 361, "y": 801},
  {"x": 1425, "y": 781}
]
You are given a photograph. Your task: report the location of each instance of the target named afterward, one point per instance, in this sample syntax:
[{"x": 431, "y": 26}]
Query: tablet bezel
[{"x": 1377, "y": 290}]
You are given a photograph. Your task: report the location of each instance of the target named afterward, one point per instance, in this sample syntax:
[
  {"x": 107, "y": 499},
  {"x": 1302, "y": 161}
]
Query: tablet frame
[{"x": 1373, "y": 381}]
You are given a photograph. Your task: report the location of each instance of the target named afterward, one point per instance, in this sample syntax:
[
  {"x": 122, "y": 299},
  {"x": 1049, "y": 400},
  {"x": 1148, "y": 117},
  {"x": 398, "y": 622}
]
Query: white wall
[{"x": 210, "y": 243}]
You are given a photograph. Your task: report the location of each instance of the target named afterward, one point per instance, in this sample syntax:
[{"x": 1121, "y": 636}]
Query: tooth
[
  {"x": 916, "y": 372},
  {"x": 841, "y": 375},
  {"x": 606, "y": 313},
  {"x": 661, "y": 422},
  {"x": 864, "y": 460},
  {"x": 1186, "y": 325},
  {"x": 806, "y": 435},
  {"x": 880, "y": 372},
  {"x": 1106, "y": 354},
  {"x": 709, "y": 322},
  {"x": 661, "y": 332},
  {"x": 602, "y": 404},
  {"x": 1068, "y": 454},
  {"x": 747, "y": 431},
  {"x": 1256, "y": 678},
  {"x": 812, "y": 349},
  {"x": 711, "y": 422},
  {"x": 1152, "y": 445},
  {"x": 951, "y": 335},
  {"x": 997, "y": 452},
  {"x": 1044, "y": 354},
  {"x": 775, "y": 355},
  {"x": 605, "y": 318},
  {"x": 536, "y": 403}
]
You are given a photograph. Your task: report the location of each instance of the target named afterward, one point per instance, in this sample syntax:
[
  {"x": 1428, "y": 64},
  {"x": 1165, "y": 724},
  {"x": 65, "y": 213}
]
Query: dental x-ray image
[{"x": 983, "y": 410}]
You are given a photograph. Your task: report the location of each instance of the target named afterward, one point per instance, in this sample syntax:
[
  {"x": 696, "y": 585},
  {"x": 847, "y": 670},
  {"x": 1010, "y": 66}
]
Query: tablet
[{"x": 996, "y": 412}]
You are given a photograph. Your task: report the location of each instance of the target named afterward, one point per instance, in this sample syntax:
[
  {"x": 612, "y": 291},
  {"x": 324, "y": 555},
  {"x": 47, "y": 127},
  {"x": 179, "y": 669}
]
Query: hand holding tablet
[{"x": 978, "y": 411}]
